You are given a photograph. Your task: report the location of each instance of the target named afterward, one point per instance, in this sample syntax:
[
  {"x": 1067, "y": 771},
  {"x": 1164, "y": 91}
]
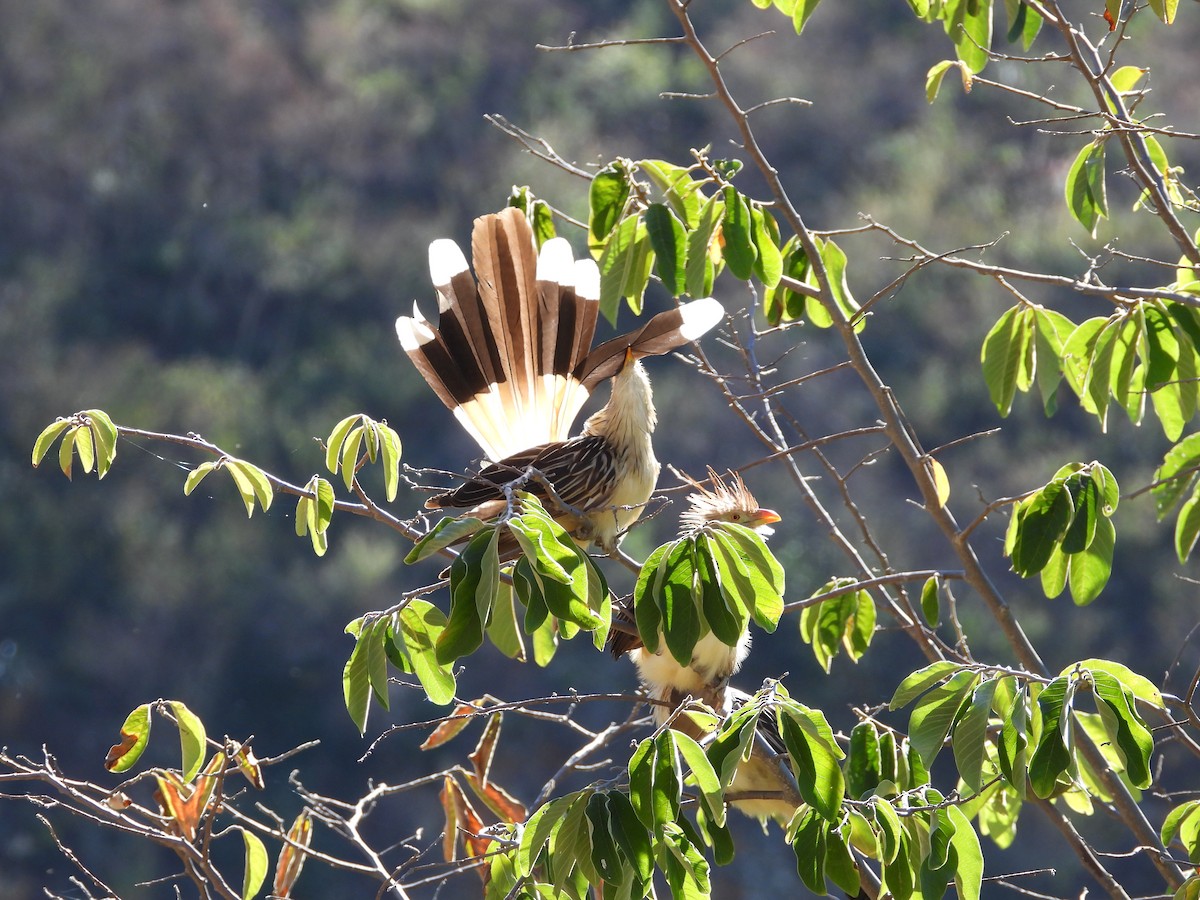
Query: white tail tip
[
  {"x": 413, "y": 331},
  {"x": 699, "y": 317},
  {"x": 445, "y": 261},
  {"x": 587, "y": 279},
  {"x": 555, "y": 262}
]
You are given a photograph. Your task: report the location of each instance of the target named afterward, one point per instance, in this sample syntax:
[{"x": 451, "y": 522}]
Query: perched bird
[
  {"x": 706, "y": 678},
  {"x": 713, "y": 661},
  {"x": 511, "y": 356}
]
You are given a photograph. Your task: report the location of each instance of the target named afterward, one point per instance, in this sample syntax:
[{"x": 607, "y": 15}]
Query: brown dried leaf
[
  {"x": 448, "y": 796},
  {"x": 485, "y": 750},
  {"x": 450, "y": 726},
  {"x": 291, "y": 859},
  {"x": 498, "y": 800}
]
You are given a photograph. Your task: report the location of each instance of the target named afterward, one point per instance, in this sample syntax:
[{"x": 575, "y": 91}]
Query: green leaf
[
  {"x": 750, "y": 573},
  {"x": 1090, "y": 568},
  {"x": 1183, "y": 822},
  {"x": 1176, "y": 475},
  {"x": 700, "y": 266},
  {"x": 104, "y": 435},
  {"x": 840, "y": 866},
  {"x": 1025, "y": 23},
  {"x": 863, "y": 769},
  {"x": 1011, "y": 752},
  {"x": 814, "y": 754},
  {"x": 624, "y": 267},
  {"x": 1004, "y": 348},
  {"x": 46, "y": 439},
  {"x": 196, "y": 476},
  {"x": 1085, "y": 498},
  {"x": 931, "y": 601},
  {"x": 642, "y": 766},
  {"x": 920, "y": 681},
  {"x": 473, "y": 577},
  {"x": 445, "y": 533},
  {"x": 891, "y": 832},
  {"x": 970, "y": 734},
  {"x": 337, "y": 437},
  {"x": 66, "y": 451},
  {"x": 704, "y": 775},
  {"x": 1045, "y": 520},
  {"x": 256, "y": 864},
  {"x": 538, "y": 830},
  {"x": 683, "y": 863},
  {"x": 356, "y": 674},
  {"x": 667, "y": 787},
  {"x": 606, "y": 200},
  {"x": 1165, "y": 9},
  {"x": 192, "y": 739},
  {"x": 135, "y": 734},
  {"x": 768, "y": 261},
  {"x": 801, "y": 12},
  {"x": 605, "y": 855},
  {"x": 1053, "y": 755},
  {"x": 669, "y": 242},
  {"x": 935, "y": 76},
  {"x": 421, "y": 624},
  {"x": 1086, "y": 195},
  {"x": 737, "y": 229},
  {"x": 835, "y": 262},
  {"x": 1051, "y": 330},
  {"x": 645, "y": 605},
  {"x": 1139, "y": 686},
  {"x": 251, "y": 483},
  {"x": 809, "y": 845},
  {"x": 391, "y": 449},
  {"x": 733, "y": 743},
  {"x": 1133, "y": 740},
  {"x": 631, "y": 835},
  {"x": 968, "y": 855},
  {"x": 969, "y": 25},
  {"x": 677, "y": 602},
  {"x": 936, "y": 712},
  {"x": 678, "y": 186},
  {"x": 85, "y": 447},
  {"x": 723, "y": 613}
]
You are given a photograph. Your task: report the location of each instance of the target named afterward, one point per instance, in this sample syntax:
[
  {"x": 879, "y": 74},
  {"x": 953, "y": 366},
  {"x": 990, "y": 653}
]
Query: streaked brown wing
[
  {"x": 583, "y": 472},
  {"x": 620, "y": 642}
]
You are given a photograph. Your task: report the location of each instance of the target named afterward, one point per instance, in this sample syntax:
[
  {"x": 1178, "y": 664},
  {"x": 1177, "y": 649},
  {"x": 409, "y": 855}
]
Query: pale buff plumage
[{"x": 706, "y": 677}]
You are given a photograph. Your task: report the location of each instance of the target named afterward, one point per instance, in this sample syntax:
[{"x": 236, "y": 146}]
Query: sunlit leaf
[
  {"x": 192, "y": 739},
  {"x": 1086, "y": 196},
  {"x": 292, "y": 855},
  {"x": 669, "y": 242},
  {"x": 606, "y": 201},
  {"x": 736, "y": 228},
  {"x": 135, "y": 733},
  {"x": 256, "y": 863}
]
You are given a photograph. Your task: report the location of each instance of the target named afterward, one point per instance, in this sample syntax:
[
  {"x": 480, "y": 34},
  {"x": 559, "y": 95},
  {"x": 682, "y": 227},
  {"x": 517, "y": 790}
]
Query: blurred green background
[{"x": 211, "y": 212}]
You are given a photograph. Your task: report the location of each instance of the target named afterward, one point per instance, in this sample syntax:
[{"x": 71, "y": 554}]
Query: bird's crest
[{"x": 724, "y": 499}]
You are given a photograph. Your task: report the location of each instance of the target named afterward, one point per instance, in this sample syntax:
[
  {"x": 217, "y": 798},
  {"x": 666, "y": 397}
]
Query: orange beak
[{"x": 763, "y": 519}]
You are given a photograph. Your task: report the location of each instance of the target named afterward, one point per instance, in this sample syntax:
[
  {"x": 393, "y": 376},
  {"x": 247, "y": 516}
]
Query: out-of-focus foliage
[{"x": 210, "y": 227}]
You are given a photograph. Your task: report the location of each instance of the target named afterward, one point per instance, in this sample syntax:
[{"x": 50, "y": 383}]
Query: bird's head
[{"x": 727, "y": 499}]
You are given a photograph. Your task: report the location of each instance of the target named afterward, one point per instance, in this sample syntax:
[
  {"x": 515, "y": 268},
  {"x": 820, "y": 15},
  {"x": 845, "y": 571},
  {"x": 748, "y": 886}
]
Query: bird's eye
[{"x": 737, "y": 517}]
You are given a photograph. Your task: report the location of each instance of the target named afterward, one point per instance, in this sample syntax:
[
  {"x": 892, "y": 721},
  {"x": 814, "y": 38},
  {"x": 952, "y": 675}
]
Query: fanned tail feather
[
  {"x": 661, "y": 334},
  {"x": 511, "y": 352}
]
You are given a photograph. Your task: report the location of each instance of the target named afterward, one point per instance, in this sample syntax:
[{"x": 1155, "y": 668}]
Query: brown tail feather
[
  {"x": 510, "y": 355},
  {"x": 661, "y": 334}
]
